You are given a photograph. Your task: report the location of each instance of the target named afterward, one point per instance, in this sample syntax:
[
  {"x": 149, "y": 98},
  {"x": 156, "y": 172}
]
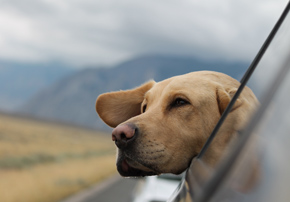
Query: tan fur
[{"x": 170, "y": 137}]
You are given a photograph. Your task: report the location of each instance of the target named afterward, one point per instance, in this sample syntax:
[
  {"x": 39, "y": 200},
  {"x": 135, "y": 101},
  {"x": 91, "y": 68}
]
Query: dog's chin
[{"x": 130, "y": 168}]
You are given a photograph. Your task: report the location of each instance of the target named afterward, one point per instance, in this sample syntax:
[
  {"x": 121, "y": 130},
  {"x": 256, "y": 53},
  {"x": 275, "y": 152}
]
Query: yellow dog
[{"x": 160, "y": 127}]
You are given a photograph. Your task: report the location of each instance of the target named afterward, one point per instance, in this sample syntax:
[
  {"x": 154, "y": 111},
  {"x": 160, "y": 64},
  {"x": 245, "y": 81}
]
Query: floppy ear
[
  {"x": 224, "y": 97},
  {"x": 117, "y": 107}
]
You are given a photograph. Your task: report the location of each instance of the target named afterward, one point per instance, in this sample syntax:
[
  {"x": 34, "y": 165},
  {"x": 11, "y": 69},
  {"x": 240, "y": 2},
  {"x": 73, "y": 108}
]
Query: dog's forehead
[{"x": 189, "y": 82}]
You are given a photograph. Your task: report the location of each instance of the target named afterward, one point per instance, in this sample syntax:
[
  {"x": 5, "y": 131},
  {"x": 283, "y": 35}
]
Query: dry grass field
[{"x": 45, "y": 162}]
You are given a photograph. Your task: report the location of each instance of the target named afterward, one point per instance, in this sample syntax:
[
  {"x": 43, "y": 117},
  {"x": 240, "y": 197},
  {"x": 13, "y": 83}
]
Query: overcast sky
[{"x": 105, "y": 32}]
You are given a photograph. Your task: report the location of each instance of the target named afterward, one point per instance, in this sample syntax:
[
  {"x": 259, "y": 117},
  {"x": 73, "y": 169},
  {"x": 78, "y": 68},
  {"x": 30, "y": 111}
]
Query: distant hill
[
  {"x": 19, "y": 81},
  {"x": 73, "y": 99}
]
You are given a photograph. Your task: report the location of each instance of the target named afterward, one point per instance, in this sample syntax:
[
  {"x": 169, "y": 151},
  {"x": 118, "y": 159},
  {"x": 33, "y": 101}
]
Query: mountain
[
  {"x": 19, "y": 81},
  {"x": 73, "y": 99}
]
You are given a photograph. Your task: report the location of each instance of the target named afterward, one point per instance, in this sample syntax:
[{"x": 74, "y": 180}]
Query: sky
[{"x": 84, "y": 33}]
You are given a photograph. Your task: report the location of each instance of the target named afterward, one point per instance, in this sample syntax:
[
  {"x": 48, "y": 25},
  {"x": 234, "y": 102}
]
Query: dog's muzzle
[{"x": 128, "y": 161}]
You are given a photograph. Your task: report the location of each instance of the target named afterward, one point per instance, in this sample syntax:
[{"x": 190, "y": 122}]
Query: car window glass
[
  {"x": 267, "y": 69},
  {"x": 274, "y": 131},
  {"x": 264, "y": 74},
  {"x": 262, "y": 170},
  {"x": 274, "y": 57}
]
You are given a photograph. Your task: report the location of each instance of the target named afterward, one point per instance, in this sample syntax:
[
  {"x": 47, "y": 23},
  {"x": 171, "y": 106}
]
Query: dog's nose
[{"x": 123, "y": 135}]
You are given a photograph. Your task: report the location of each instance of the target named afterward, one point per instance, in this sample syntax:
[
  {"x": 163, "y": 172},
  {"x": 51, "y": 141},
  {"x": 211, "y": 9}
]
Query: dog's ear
[
  {"x": 224, "y": 97},
  {"x": 117, "y": 107}
]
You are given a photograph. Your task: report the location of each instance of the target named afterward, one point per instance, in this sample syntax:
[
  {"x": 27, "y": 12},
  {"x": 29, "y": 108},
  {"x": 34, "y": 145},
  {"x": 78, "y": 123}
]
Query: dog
[{"x": 159, "y": 127}]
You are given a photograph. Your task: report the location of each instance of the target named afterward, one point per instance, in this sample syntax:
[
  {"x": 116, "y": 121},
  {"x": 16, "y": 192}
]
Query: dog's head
[{"x": 160, "y": 127}]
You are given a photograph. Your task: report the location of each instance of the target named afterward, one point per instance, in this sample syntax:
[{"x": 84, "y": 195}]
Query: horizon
[{"x": 56, "y": 64}]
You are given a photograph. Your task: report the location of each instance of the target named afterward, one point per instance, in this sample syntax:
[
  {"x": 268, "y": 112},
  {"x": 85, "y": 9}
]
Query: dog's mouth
[{"x": 130, "y": 168}]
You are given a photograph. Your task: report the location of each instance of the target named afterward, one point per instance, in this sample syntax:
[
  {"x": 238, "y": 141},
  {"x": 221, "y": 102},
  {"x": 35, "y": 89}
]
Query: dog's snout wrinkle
[{"x": 123, "y": 135}]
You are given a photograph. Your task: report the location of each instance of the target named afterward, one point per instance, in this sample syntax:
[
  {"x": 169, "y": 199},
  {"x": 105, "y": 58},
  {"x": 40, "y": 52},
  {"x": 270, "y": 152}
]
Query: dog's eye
[
  {"x": 144, "y": 108},
  {"x": 179, "y": 102}
]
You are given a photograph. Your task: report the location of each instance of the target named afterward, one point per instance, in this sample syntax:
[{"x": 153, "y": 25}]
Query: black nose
[{"x": 124, "y": 134}]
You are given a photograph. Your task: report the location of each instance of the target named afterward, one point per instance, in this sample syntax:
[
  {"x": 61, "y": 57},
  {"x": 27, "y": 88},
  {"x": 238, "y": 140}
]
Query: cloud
[{"x": 88, "y": 32}]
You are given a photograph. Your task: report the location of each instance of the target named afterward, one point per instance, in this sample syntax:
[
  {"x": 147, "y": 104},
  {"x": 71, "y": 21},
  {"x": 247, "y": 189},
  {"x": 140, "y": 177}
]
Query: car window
[
  {"x": 268, "y": 66},
  {"x": 200, "y": 175},
  {"x": 260, "y": 170}
]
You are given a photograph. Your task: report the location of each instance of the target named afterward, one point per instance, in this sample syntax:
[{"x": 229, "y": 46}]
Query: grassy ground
[{"x": 42, "y": 162}]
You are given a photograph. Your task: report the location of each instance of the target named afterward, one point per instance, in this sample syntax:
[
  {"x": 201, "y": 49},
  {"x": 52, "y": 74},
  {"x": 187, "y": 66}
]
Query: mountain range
[
  {"x": 20, "y": 81},
  {"x": 72, "y": 99}
]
